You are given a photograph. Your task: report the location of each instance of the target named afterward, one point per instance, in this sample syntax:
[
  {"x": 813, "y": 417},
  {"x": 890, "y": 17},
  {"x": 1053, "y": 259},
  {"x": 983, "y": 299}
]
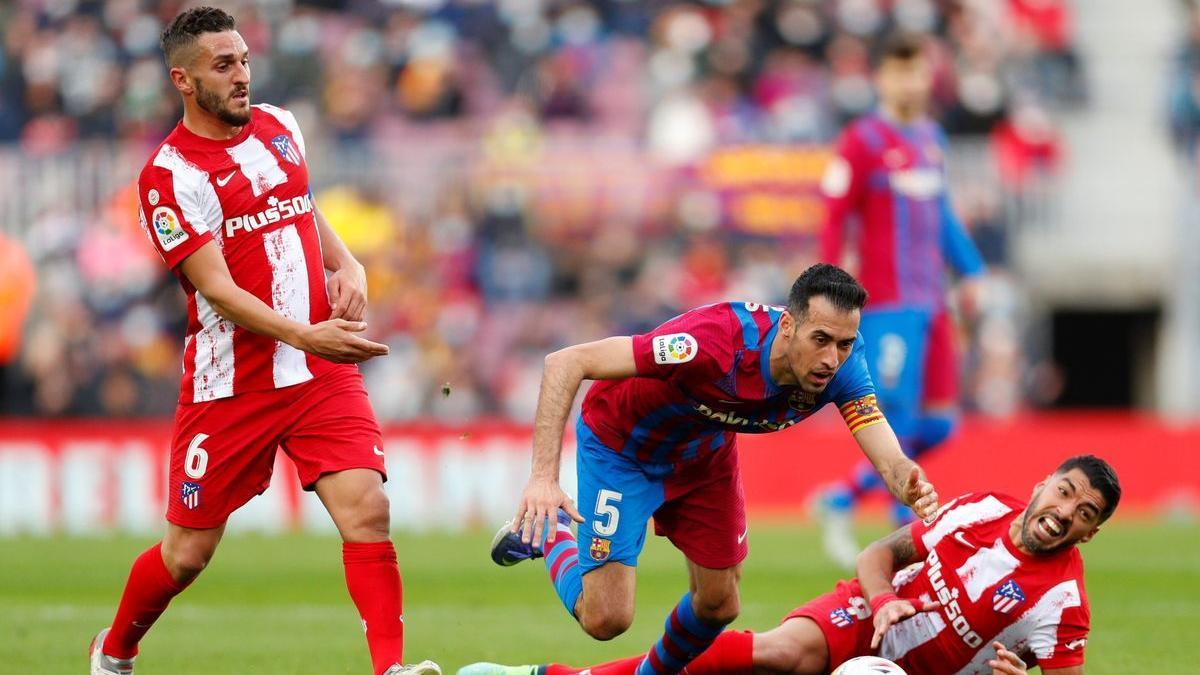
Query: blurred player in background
[
  {"x": 889, "y": 175},
  {"x": 657, "y": 436},
  {"x": 991, "y": 584},
  {"x": 270, "y": 346}
]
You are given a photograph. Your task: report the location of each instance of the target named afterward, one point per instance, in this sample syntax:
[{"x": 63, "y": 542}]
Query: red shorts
[
  {"x": 941, "y": 362},
  {"x": 704, "y": 514},
  {"x": 844, "y": 617},
  {"x": 222, "y": 451}
]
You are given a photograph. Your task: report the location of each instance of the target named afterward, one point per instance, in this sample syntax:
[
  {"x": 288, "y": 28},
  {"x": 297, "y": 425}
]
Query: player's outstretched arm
[
  {"x": 334, "y": 340},
  {"x": 565, "y": 370},
  {"x": 347, "y": 286},
  {"x": 904, "y": 477},
  {"x": 876, "y": 566}
]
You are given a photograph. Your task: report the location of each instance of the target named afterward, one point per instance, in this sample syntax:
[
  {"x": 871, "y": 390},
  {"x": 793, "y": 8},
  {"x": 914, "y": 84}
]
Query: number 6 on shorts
[
  {"x": 606, "y": 502},
  {"x": 195, "y": 462}
]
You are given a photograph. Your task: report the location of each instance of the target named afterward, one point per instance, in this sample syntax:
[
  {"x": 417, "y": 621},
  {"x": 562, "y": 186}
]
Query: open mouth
[
  {"x": 1050, "y": 527},
  {"x": 240, "y": 95}
]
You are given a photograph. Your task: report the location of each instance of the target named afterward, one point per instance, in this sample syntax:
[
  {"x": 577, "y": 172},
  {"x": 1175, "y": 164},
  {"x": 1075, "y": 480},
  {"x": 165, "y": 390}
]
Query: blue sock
[
  {"x": 685, "y": 637},
  {"x": 562, "y": 561}
]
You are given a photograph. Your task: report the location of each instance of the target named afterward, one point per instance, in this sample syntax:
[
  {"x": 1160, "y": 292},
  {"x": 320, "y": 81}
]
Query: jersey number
[
  {"x": 606, "y": 507},
  {"x": 195, "y": 463}
]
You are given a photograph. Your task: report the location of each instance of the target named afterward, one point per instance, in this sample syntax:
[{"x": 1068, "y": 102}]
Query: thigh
[
  {"x": 222, "y": 454},
  {"x": 704, "y": 515},
  {"x": 336, "y": 429},
  {"x": 616, "y": 499},
  {"x": 795, "y": 647},
  {"x": 896, "y": 347},
  {"x": 941, "y": 364},
  {"x": 844, "y": 620}
]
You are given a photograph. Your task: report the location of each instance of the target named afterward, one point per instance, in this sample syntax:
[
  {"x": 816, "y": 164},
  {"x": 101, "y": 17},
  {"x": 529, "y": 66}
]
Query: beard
[
  {"x": 1032, "y": 543},
  {"x": 211, "y": 102}
]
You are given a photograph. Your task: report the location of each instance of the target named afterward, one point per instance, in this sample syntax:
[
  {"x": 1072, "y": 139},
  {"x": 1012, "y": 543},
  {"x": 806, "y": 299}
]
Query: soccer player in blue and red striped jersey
[
  {"x": 889, "y": 174},
  {"x": 657, "y": 437}
]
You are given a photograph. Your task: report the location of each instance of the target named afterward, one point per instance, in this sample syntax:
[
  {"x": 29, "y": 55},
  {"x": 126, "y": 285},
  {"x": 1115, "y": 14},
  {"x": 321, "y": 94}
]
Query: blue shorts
[
  {"x": 897, "y": 343},
  {"x": 699, "y": 505}
]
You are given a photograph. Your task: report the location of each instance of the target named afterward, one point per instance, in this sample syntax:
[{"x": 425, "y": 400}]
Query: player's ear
[
  {"x": 179, "y": 78},
  {"x": 787, "y": 324},
  {"x": 1088, "y": 537}
]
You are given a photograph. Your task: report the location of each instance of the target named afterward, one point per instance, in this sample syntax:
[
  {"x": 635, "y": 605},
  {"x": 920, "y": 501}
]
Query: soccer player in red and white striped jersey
[
  {"x": 990, "y": 586},
  {"x": 275, "y": 302}
]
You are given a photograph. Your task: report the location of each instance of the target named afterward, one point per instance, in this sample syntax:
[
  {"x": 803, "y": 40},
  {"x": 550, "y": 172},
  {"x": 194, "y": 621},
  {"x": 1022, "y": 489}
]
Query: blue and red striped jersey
[
  {"x": 705, "y": 376},
  {"x": 893, "y": 179}
]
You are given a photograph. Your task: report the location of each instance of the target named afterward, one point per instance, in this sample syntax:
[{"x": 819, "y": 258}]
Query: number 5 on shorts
[
  {"x": 606, "y": 507},
  {"x": 195, "y": 462}
]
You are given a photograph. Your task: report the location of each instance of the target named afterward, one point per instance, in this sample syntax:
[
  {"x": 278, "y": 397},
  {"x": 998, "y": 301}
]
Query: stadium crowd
[{"x": 512, "y": 173}]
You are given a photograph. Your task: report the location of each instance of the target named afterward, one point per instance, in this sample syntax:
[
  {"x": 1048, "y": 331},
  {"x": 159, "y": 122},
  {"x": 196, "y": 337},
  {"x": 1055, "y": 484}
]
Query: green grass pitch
[{"x": 278, "y": 605}]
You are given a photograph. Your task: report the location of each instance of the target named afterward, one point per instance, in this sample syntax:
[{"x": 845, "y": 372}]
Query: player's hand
[
  {"x": 335, "y": 340},
  {"x": 896, "y": 611},
  {"x": 347, "y": 289},
  {"x": 1006, "y": 662},
  {"x": 539, "y": 509},
  {"x": 970, "y": 298},
  {"x": 920, "y": 495}
]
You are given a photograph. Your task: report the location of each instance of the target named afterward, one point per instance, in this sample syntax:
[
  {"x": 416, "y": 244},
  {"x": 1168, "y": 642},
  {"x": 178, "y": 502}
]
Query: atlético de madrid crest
[{"x": 283, "y": 145}]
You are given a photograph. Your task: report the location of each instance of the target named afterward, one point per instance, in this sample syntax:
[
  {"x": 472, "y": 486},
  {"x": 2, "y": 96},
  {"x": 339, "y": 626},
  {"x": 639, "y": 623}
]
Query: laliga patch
[
  {"x": 600, "y": 549},
  {"x": 675, "y": 348},
  {"x": 167, "y": 228},
  {"x": 836, "y": 181}
]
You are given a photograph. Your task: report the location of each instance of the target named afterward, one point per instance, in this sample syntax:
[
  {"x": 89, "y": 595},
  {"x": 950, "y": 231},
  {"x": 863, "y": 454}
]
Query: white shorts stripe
[{"x": 289, "y": 297}]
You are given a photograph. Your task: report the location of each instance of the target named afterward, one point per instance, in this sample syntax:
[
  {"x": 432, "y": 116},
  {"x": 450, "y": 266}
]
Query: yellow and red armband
[{"x": 861, "y": 413}]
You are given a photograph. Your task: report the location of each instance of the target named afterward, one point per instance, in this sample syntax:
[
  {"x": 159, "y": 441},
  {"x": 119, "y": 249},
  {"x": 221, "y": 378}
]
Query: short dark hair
[
  {"x": 190, "y": 25},
  {"x": 834, "y": 283},
  {"x": 900, "y": 46},
  {"x": 1102, "y": 477}
]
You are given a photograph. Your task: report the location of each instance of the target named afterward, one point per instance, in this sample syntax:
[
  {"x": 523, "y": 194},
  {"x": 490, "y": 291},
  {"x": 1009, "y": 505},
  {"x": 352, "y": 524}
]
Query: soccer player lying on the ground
[
  {"x": 658, "y": 437},
  {"x": 991, "y": 585},
  {"x": 908, "y": 235}
]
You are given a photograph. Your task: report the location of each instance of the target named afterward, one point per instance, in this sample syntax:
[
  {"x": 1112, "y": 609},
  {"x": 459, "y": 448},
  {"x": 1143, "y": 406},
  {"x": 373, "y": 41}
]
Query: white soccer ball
[{"x": 868, "y": 665}]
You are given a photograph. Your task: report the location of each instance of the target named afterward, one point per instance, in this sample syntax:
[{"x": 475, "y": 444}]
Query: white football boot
[{"x": 106, "y": 665}]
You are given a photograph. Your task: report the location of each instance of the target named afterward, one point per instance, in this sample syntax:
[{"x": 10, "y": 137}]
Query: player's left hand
[
  {"x": 920, "y": 495},
  {"x": 896, "y": 611},
  {"x": 1006, "y": 662},
  {"x": 348, "y": 292}
]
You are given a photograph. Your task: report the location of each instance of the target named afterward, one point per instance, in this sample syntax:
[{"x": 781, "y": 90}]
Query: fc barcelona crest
[
  {"x": 283, "y": 145},
  {"x": 600, "y": 549}
]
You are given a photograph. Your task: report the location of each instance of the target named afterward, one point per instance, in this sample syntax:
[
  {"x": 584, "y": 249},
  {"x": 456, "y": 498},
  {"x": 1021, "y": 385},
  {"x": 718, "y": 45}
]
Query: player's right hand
[
  {"x": 538, "y": 509},
  {"x": 335, "y": 340},
  {"x": 1006, "y": 662},
  {"x": 896, "y": 611}
]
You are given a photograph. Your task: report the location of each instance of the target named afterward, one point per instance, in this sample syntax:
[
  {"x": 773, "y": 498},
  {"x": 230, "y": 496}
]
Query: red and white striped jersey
[
  {"x": 250, "y": 195},
  {"x": 1035, "y": 605}
]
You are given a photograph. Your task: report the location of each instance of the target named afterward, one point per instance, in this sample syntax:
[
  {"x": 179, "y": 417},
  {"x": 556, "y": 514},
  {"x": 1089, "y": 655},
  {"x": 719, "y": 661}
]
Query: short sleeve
[
  {"x": 171, "y": 214},
  {"x": 693, "y": 345},
  {"x": 1071, "y": 638}
]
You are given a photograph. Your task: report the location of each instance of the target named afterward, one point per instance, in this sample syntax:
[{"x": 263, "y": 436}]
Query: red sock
[
  {"x": 731, "y": 654},
  {"x": 373, "y": 579},
  {"x": 147, "y": 593}
]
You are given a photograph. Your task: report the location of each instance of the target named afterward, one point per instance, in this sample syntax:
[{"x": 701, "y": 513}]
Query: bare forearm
[
  {"x": 235, "y": 304},
  {"x": 560, "y": 383},
  {"x": 878, "y": 562}
]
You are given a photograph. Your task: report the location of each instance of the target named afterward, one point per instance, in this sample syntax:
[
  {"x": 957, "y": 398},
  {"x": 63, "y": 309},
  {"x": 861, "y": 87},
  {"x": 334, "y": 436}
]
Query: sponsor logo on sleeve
[
  {"x": 675, "y": 348},
  {"x": 168, "y": 228},
  {"x": 152, "y": 197}
]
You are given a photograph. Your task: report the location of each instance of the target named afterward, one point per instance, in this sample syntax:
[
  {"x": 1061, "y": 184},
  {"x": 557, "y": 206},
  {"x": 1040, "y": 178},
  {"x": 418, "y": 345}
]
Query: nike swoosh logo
[
  {"x": 378, "y": 451},
  {"x": 962, "y": 539},
  {"x": 743, "y": 536},
  {"x": 222, "y": 181}
]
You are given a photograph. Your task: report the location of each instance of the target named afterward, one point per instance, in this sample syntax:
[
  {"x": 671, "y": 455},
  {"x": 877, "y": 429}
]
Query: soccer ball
[{"x": 868, "y": 665}]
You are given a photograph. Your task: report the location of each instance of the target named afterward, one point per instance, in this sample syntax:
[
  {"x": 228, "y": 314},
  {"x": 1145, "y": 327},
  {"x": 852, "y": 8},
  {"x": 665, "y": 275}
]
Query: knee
[
  {"x": 370, "y": 517},
  {"x": 185, "y": 560},
  {"x": 718, "y": 608},
  {"x": 607, "y": 623}
]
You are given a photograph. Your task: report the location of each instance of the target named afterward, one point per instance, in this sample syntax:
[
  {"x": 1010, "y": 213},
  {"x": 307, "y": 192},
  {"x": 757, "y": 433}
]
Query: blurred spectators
[{"x": 516, "y": 175}]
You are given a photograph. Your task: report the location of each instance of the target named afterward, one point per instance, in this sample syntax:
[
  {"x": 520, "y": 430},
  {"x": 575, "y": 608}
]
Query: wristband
[{"x": 878, "y": 601}]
